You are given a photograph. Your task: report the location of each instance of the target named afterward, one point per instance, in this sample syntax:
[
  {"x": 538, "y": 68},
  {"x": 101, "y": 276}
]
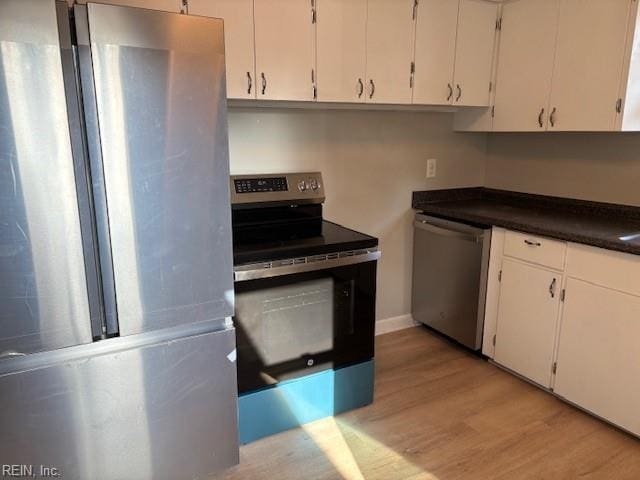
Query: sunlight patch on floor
[{"x": 347, "y": 449}]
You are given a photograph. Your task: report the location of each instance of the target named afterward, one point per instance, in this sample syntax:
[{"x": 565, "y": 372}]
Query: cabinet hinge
[
  {"x": 184, "y": 6},
  {"x": 499, "y": 24},
  {"x": 619, "y": 106},
  {"x": 414, "y": 13},
  {"x": 500, "y": 276},
  {"x": 313, "y": 11},
  {"x": 490, "y": 86},
  {"x": 494, "y": 340},
  {"x": 563, "y": 294},
  {"x": 554, "y": 368},
  {"x": 493, "y": 111}
]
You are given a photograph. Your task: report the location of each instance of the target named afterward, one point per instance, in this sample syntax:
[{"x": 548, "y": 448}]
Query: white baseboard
[{"x": 392, "y": 324}]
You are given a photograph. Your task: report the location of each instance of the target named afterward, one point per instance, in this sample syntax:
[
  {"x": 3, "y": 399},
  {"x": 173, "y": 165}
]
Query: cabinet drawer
[
  {"x": 535, "y": 249},
  {"x": 616, "y": 270}
]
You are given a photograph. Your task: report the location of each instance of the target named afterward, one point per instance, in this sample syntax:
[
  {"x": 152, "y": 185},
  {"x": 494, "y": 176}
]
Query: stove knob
[
  {"x": 302, "y": 185},
  {"x": 313, "y": 183}
]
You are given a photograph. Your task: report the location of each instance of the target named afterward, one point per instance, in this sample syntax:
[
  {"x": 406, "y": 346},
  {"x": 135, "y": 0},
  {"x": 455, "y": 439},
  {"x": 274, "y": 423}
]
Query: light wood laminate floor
[{"x": 441, "y": 413}]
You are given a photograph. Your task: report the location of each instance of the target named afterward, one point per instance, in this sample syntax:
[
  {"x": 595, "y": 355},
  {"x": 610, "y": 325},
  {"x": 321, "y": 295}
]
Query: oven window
[
  {"x": 297, "y": 324},
  {"x": 289, "y": 321}
]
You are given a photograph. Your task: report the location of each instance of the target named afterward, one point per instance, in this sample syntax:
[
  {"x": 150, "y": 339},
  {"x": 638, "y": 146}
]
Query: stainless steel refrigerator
[{"x": 117, "y": 352}]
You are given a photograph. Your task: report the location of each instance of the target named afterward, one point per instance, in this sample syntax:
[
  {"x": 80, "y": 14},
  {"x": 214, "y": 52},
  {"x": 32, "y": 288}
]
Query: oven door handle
[{"x": 246, "y": 272}]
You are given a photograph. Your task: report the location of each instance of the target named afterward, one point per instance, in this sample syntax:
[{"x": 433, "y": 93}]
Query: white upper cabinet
[
  {"x": 164, "y": 5},
  {"x": 474, "y": 52},
  {"x": 525, "y": 65},
  {"x": 285, "y": 50},
  {"x": 390, "y": 34},
  {"x": 238, "y": 38},
  {"x": 588, "y": 64},
  {"x": 435, "y": 50},
  {"x": 341, "y": 50},
  {"x": 629, "y": 118}
]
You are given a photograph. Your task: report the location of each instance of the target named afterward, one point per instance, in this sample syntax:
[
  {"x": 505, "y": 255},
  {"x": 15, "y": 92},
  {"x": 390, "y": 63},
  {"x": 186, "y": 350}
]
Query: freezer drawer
[
  {"x": 164, "y": 411},
  {"x": 450, "y": 262}
]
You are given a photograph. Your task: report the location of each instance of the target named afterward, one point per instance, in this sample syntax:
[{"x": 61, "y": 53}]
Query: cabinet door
[
  {"x": 285, "y": 40},
  {"x": 238, "y": 39},
  {"x": 527, "y": 318},
  {"x": 341, "y": 50},
  {"x": 474, "y": 52},
  {"x": 435, "y": 51},
  {"x": 165, "y": 5},
  {"x": 390, "y": 32},
  {"x": 599, "y": 353},
  {"x": 525, "y": 65},
  {"x": 588, "y": 64}
]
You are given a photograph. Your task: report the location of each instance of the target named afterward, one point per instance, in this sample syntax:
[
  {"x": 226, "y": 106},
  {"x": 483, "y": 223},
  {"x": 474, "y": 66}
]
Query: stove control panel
[
  {"x": 277, "y": 188},
  {"x": 256, "y": 185}
]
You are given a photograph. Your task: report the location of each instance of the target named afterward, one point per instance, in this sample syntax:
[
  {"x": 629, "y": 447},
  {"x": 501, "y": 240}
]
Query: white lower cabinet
[
  {"x": 574, "y": 329},
  {"x": 527, "y": 320},
  {"x": 599, "y": 353}
]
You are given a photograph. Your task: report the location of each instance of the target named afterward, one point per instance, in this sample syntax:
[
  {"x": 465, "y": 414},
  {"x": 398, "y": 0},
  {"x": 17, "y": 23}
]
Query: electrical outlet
[{"x": 432, "y": 165}]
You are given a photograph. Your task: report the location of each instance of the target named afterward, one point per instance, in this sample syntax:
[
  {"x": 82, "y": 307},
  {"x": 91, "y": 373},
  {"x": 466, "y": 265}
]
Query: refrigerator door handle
[{"x": 93, "y": 154}]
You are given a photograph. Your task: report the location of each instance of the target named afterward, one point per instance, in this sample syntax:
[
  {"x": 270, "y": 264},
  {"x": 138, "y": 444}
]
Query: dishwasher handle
[{"x": 428, "y": 227}]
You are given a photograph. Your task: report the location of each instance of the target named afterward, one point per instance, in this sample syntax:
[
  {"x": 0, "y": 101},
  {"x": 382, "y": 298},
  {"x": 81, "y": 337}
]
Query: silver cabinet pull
[
  {"x": 552, "y": 117},
  {"x": 360, "y": 88},
  {"x": 372, "y": 90},
  {"x": 459, "y": 92},
  {"x": 450, "y": 92},
  {"x": 552, "y": 288},
  {"x": 314, "y": 87},
  {"x": 11, "y": 354},
  {"x": 540, "y": 118},
  {"x": 264, "y": 83},
  {"x": 249, "y": 83},
  {"x": 531, "y": 243}
]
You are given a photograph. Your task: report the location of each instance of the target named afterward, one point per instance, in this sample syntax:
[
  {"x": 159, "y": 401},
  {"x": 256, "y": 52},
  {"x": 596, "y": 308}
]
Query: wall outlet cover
[{"x": 432, "y": 166}]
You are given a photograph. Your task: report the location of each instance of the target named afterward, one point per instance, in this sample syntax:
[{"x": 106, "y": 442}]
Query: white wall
[
  {"x": 371, "y": 162},
  {"x": 602, "y": 167}
]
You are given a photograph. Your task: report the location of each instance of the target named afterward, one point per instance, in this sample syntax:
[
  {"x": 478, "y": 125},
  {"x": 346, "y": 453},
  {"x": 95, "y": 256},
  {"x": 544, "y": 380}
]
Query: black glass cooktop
[{"x": 334, "y": 238}]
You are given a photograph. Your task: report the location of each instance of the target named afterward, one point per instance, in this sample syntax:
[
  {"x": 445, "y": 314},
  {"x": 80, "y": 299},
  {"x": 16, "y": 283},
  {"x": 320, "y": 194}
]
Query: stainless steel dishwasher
[{"x": 450, "y": 263}]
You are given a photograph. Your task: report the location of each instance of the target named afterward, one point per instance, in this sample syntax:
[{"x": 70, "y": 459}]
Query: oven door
[{"x": 293, "y": 319}]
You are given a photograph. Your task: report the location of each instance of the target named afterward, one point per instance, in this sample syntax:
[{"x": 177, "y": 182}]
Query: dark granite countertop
[{"x": 605, "y": 225}]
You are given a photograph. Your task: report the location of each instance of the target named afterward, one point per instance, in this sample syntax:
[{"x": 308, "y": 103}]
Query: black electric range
[{"x": 304, "y": 287}]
